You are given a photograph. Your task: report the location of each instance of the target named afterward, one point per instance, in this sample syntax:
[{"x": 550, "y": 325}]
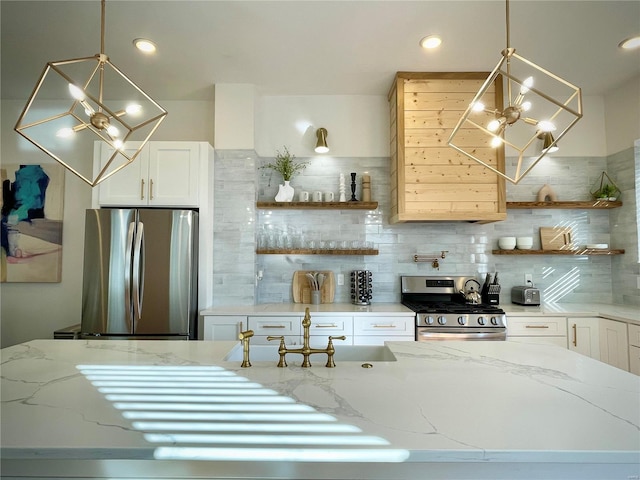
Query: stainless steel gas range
[{"x": 444, "y": 311}]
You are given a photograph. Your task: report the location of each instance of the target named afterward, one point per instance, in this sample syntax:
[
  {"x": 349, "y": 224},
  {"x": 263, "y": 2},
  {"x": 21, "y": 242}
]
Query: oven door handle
[{"x": 423, "y": 336}]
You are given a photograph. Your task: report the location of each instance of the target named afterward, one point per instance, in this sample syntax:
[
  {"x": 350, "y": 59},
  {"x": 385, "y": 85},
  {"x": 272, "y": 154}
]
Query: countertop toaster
[{"x": 525, "y": 295}]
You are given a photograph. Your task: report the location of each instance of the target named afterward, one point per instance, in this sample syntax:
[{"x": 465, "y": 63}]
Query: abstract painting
[{"x": 31, "y": 235}]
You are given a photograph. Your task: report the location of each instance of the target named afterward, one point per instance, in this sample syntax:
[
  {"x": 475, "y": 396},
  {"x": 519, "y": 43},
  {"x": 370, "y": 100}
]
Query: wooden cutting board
[
  {"x": 302, "y": 289},
  {"x": 556, "y": 238}
]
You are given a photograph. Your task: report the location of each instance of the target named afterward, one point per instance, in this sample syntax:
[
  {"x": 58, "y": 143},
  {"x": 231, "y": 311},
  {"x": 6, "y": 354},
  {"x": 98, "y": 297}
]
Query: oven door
[{"x": 463, "y": 333}]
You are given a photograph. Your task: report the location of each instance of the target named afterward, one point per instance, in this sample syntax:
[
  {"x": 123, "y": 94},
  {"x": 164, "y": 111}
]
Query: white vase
[{"x": 285, "y": 192}]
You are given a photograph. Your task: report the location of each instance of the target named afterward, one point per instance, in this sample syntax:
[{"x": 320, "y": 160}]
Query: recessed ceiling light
[
  {"x": 144, "y": 45},
  {"x": 630, "y": 43},
  {"x": 430, "y": 41}
]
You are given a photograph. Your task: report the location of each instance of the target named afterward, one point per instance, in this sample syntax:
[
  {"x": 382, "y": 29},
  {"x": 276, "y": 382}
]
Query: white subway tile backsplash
[{"x": 240, "y": 182}]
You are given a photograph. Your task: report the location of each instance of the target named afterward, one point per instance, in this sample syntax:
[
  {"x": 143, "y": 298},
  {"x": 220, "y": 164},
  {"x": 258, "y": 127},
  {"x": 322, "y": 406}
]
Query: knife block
[{"x": 491, "y": 298}]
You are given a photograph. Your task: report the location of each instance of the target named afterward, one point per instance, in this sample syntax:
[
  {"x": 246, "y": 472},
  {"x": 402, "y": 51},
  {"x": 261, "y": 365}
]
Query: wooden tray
[
  {"x": 302, "y": 290},
  {"x": 556, "y": 238}
]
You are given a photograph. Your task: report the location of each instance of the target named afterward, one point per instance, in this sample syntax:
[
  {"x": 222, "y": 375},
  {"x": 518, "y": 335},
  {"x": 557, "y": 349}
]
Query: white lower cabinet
[
  {"x": 222, "y": 327},
  {"x": 634, "y": 349},
  {"x": 275, "y": 326},
  {"x": 614, "y": 347},
  {"x": 542, "y": 329},
  {"x": 335, "y": 326},
  {"x": 372, "y": 330},
  {"x": 584, "y": 336}
]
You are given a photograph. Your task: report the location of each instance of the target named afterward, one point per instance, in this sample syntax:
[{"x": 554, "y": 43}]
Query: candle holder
[{"x": 353, "y": 188}]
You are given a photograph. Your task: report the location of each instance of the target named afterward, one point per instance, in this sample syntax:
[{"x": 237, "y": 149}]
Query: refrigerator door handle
[
  {"x": 127, "y": 276},
  {"x": 138, "y": 273}
]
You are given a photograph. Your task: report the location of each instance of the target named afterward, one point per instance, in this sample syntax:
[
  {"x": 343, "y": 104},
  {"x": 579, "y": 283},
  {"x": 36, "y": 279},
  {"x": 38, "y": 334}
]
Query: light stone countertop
[
  {"x": 624, "y": 313},
  {"x": 387, "y": 309},
  {"x": 482, "y": 410}
]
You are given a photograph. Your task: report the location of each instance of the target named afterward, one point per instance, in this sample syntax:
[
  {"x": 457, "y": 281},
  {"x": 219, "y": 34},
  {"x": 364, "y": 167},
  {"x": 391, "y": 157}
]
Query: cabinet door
[
  {"x": 384, "y": 326},
  {"x": 614, "y": 348},
  {"x": 128, "y": 187},
  {"x": 264, "y": 326},
  {"x": 584, "y": 336},
  {"x": 222, "y": 327},
  {"x": 634, "y": 359},
  {"x": 173, "y": 174},
  {"x": 541, "y": 326}
]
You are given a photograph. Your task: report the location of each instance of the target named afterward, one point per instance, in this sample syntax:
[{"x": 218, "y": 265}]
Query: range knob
[
  {"x": 428, "y": 320},
  {"x": 442, "y": 320},
  {"x": 482, "y": 321},
  {"x": 494, "y": 321},
  {"x": 462, "y": 320}
]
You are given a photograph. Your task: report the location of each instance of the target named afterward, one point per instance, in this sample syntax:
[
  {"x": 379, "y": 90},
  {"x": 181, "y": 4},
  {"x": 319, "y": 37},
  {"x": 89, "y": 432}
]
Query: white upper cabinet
[{"x": 165, "y": 174}]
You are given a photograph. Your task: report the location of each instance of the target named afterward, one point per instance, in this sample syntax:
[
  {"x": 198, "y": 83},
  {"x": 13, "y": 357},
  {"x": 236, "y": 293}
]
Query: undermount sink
[{"x": 344, "y": 353}]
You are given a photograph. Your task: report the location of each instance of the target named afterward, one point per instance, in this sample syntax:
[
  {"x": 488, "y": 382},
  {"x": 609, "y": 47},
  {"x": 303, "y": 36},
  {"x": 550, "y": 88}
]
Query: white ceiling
[{"x": 306, "y": 47}]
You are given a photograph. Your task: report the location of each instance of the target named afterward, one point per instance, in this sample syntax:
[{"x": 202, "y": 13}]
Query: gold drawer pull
[
  {"x": 326, "y": 325},
  {"x": 273, "y": 326},
  {"x": 384, "y": 326},
  {"x": 536, "y": 326}
]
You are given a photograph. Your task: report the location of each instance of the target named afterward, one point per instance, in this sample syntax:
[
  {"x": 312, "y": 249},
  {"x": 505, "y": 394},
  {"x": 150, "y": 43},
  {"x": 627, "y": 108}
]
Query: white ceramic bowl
[
  {"x": 507, "y": 243},
  {"x": 524, "y": 243}
]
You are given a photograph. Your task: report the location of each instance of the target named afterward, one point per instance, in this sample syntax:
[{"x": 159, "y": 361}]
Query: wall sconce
[
  {"x": 549, "y": 144},
  {"x": 117, "y": 123},
  {"x": 321, "y": 143}
]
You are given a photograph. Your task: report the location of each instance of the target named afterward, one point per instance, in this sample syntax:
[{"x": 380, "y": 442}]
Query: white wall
[
  {"x": 35, "y": 310},
  {"x": 358, "y": 126},
  {"x": 622, "y": 114}
]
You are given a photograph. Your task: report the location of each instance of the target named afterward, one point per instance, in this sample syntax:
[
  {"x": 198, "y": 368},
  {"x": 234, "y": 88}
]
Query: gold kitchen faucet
[{"x": 306, "y": 351}]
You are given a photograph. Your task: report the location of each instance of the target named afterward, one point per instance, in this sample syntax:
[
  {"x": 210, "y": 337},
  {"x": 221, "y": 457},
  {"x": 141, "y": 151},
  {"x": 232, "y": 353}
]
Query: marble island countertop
[{"x": 482, "y": 410}]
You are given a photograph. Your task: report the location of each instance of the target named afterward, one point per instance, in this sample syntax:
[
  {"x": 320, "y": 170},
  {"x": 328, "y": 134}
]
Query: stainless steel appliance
[
  {"x": 525, "y": 295},
  {"x": 140, "y": 274},
  {"x": 443, "y": 313}
]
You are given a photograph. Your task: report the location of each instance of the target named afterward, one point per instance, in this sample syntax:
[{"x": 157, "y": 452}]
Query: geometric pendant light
[
  {"x": 100, "y": 103},
  {"x": 529, "y": 114}
]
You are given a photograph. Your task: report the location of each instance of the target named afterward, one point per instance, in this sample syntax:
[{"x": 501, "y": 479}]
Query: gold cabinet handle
[
  {"x": 326, "y": 325},
  {"x": 575, "y": 335},
  {"x": 142, "y": 189},
  {"x": 273, "y": 326},
  {"x": 150, "y": 189},
  {"x": 384, "y": 326},
  {"x": 536, "y": 326}
]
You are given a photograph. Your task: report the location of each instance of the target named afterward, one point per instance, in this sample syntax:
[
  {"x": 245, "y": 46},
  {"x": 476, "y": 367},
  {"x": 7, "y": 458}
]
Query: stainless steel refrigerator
[{"x": 140, "y": 274}]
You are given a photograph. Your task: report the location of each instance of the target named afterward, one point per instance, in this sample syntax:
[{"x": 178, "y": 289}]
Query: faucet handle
[
  {"x": 341, "y": 337},
  {"x": 282, "y": 349},
  {"x": 245, "y": 335}
]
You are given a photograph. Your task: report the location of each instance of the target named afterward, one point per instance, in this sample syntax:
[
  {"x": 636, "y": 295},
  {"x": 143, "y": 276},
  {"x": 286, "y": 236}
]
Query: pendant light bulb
[
  {"x": 76, "y": 92},
  {"x": 546, "y": 126},
  {"x": 493, "y": 125},
  {"x": 496, "y": 142}
]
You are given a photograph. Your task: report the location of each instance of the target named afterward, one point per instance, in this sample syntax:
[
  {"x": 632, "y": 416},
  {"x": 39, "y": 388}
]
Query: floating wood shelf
[
  {"x": 590, "y": 204},
  {"x": 580, "y": 251},
  {"x": 319, "y": 205},
  {"x": 315, "y": 251}
]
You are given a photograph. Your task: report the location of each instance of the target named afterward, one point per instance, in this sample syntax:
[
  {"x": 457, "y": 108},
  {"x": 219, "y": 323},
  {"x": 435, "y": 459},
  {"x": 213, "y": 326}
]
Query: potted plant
[
  {"x": 286, "y": 166},
  {"x": 607, "y": 190}
]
